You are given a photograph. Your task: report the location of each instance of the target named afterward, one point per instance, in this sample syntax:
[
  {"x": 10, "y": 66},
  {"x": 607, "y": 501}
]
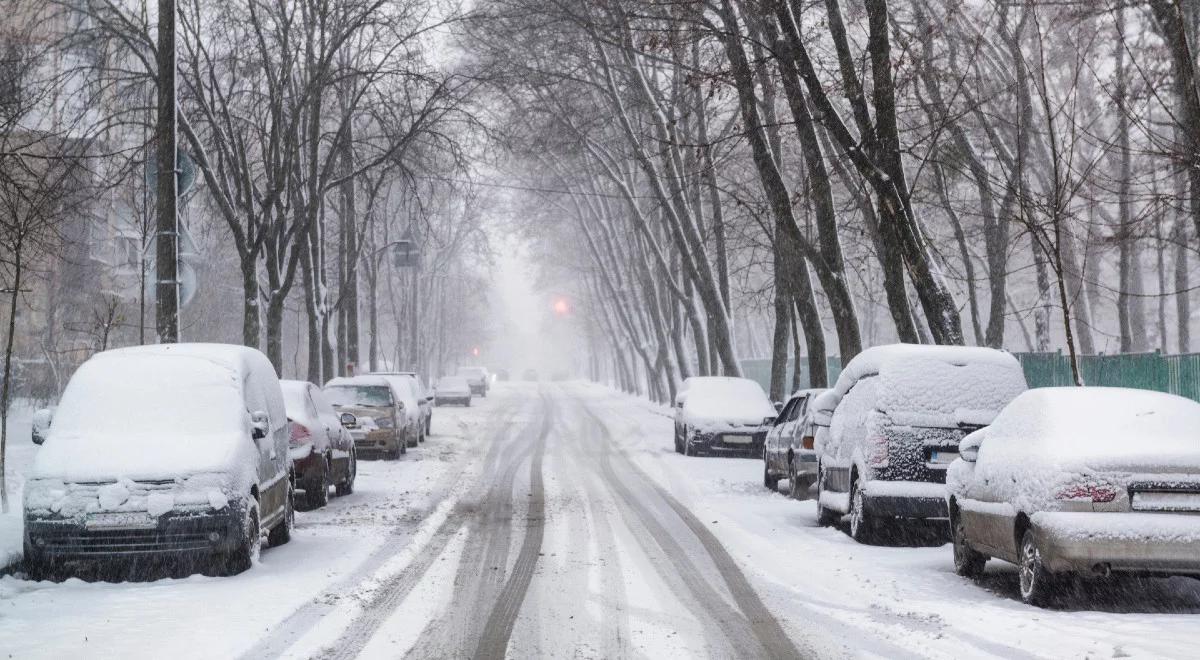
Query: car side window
[
  {"x": 785, "y": 414},
  {"x": 798, "y": 409}
]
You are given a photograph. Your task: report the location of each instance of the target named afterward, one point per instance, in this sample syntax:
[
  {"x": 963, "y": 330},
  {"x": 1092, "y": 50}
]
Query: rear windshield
[
  {"x": 451, "y": 383},
  {"x": 471, "y": 372},
  {"x": 359, "y": 395},
  {"x": 933, "y": 393}
]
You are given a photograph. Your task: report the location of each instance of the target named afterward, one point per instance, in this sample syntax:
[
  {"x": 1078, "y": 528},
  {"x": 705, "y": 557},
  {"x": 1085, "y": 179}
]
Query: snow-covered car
[
  {"x": 383, "y": 425},
  {"x": 890, "y": 427},
  {"x": 174, "y": 451},
  {"x": 410, "y": 383},
  {"x": 1080, "y": 482},
  {"x": 452, "y": 389},
  {"x": 788, "y": 451},
  {"x": 478, "y": 378},
  {"x": 717, "y": 414},
  {"x": 321, "y": 448}
]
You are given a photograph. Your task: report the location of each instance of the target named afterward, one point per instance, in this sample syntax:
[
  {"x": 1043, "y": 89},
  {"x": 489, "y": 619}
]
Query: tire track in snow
[
  {"x": 770, "y": 636},
  {"x": 496, "y": 632},
  {"x": 292, "y": 628}
]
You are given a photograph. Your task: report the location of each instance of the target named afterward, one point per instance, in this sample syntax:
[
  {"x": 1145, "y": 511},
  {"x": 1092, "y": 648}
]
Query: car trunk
[{"x": 919, "y": 453}]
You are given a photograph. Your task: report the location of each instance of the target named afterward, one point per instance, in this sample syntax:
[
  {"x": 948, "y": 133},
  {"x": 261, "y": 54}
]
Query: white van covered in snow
[
  {"x": 162, "y": 452},
  {"x": 890, "y": 427}
]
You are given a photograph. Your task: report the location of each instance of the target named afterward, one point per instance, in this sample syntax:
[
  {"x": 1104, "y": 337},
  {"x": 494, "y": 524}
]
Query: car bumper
[
  {"x": 805, "y": 465},
  {"x": 178, "y": 534},
  {"x": 308, "y": 469},
  {"x": 380, "y": 441},
  {"x": 730, "y": 442},
  {"x": 905, "y": 499},
  {"x": 455, "y": 399},
  {"x": 1133, "y": 542}
]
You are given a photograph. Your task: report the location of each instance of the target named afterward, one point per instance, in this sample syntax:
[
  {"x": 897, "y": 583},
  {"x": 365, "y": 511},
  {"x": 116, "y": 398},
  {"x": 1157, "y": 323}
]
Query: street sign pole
[{"x": 167, "y": 247}]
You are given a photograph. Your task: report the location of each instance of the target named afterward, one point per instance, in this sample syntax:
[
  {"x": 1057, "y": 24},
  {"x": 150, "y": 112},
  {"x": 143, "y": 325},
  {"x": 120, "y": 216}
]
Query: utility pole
[{"x": 167, "y": 245}]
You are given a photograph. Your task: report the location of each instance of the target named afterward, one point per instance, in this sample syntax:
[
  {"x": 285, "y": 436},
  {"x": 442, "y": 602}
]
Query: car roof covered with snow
[
  {"x": 159, "y": 411},
  {"x": 726, "y": 399},
  {"x": 1107, "y": 424},
  {"x": 928, "y": 385}
]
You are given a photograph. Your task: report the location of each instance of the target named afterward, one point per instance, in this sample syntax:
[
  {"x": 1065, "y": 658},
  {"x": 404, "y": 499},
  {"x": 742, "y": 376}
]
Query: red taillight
[
  {"x": 877, "y": 451},
  {"x": 300, "y": 434},
  {"x": 807, "y": 442},
  {"x": 1088, "y": 492}
]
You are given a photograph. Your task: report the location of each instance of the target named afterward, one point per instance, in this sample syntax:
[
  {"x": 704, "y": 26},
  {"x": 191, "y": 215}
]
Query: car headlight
[{"x": 385, "y": 423}]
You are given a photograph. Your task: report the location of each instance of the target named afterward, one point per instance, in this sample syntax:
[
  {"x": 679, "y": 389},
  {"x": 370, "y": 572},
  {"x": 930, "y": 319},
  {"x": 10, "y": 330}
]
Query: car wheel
[
  {"x": 769, "y": 482},
  {"x": 282, "y": 532},
  {"x": 796, "y": 490},
  {"x": 825, "y": 517},
  {"x": 414, "y": 439},
  {"x": 429, "y": 426},
  {"x": 37, "y": 567},
  {"x": 347, "y": 486},
  {"x": 402, "y": 450},
  {"x": 688, "y": 449},
  {"x": 316, "y": 495},
  {"x": 249, "y": 546},
  {"x": 967, "y": 562},
  {"x": 1037, "y": 583},
  {"x": 862, "y": 527}
]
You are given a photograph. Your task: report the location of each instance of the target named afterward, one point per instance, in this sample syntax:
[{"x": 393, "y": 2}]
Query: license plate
[
  {"x": 1165, "y": 501},
  {"x": 943, "y": 457},
  {"x": 120, "y": 521},
  {"x": 738, "y": 439}
]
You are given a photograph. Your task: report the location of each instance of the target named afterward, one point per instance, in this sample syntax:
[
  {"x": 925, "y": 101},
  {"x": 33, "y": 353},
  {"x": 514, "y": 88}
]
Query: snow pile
[
  {"x": 719, "y": 402},
  {"x": 1054, "y": 439}
]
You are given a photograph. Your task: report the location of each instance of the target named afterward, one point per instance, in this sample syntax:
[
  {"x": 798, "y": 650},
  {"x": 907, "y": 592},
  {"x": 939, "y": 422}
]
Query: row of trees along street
[{"x": 799, "y": 178}]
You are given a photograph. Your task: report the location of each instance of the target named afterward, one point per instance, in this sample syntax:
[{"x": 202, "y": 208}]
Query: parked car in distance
[
  {"x": 478, "y": 378},
  {"x": 530, "y": 375},
  {"x": 1080, "y": 481},
  {"x": 452, "y": 389},
  {"x": 381, "y": 425},
  {"x": 159, "y": 454},
  {"x": 720, "y": 415},
  {"x": 410, "y": 381},
  {"x": 890, "y": 427},
  {"x": 788, "y": 451},
  {"x": 502, "y": 375},
  {"x": 320, "y": 447}
]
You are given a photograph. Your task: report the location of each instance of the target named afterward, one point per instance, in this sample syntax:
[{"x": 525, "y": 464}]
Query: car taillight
[
  {"x": 807, "y": 442},
  {"x": 299, "y": 434},
  {"x": 1091, "y": 492},
  {"x": 877, "y": 451}
]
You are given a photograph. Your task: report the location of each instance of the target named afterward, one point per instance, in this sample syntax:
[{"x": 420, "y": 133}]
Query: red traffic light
[
  {"x": 475, "y": 351},
  {"x": 562, "y": 307}
]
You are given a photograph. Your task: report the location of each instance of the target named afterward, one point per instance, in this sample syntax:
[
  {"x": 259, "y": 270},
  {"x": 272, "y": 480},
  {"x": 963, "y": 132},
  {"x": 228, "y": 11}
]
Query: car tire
[
  {"x": 414, "y": 440},
  {"x": 37, "y": 567},
  {"x": 769, "y": 482},
  {"x": 347, "y": 487},
  {"x": 688, "y": 449},
  {"x": 249, "y": 546},
  {"x": 316, "y": 495},
  {"x": 1035, "y": 582},
  {"x": 968, "y": 562},
  {"x": 796, "y": 489},
  {"x": 862, "y": 526},
  {"x": 281, "y": 533},
  {"x": 403, "y": 449},
  {"x": 825, "y": 517},
  {"x": 429, "y": 426}
]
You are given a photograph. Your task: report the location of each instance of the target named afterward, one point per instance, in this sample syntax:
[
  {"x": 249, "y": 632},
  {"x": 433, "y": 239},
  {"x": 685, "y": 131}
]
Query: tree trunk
[{"x": 5, "y": 387}]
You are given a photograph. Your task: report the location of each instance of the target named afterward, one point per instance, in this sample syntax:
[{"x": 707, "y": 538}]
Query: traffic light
[
  {"x": 562, "y": 307},
  {"x": 475, "y": 351}
]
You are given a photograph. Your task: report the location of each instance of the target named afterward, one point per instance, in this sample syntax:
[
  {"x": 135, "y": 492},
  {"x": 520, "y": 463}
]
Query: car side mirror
[
  {"x": 778, "y": 407},
  {"x": 680, "y": 399},
  {"x": 260, "y": 423},
  {"x": 348, "y": 420},
  {"x": 41, "y": 425},
  {"x": 968, "y": 447}
]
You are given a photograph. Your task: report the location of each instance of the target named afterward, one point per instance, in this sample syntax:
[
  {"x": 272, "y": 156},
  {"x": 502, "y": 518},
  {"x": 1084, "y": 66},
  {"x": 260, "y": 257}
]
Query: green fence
[{"x": 1177, "y": 374}]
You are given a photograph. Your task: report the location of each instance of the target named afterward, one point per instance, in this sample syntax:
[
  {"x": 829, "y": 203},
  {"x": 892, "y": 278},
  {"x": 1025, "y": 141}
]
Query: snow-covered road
[{"x": 555, "y": 520}]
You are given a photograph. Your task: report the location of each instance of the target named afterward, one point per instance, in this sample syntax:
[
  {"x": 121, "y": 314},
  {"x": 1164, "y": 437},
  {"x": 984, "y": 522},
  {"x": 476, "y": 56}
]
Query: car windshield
[{"x": 376, "y": 396}]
